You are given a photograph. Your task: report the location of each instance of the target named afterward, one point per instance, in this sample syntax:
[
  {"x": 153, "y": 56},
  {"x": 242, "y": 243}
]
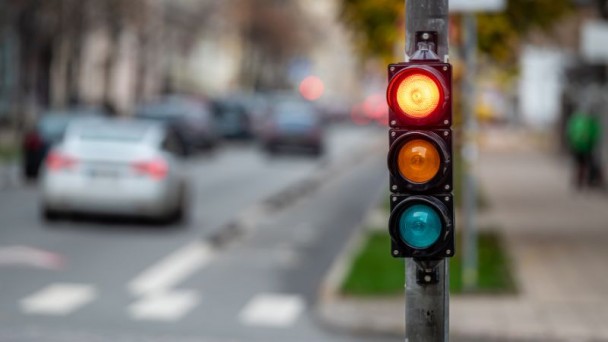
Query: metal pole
[
  {"x": 427, "y": 309},
  {"x": 469, "y": 153},
  {"x": 427, "y": 306},
  {"x": 426, "y": 15}
]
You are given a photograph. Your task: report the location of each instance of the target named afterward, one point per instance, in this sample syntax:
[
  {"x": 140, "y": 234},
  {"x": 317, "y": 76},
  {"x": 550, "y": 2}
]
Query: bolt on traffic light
[{"x": 421, "y": 222}]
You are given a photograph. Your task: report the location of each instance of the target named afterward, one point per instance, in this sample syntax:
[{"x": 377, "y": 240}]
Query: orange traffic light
[{"x": 418, "y": 161}]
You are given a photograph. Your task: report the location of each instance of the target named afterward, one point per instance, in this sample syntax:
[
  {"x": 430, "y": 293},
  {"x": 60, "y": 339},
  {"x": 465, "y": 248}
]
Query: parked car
[
  {"x": 293, "y": 125},
  {"x": 115, "y": 167},
  {"x": 232, "y": 119},
  {"x": 48, "y": 130},
  {"x": 191, "y": 120}
]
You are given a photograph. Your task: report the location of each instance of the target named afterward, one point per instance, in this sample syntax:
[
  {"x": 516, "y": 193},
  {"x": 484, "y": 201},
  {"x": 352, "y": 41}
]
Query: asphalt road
[{"x": 245, "y": 267}]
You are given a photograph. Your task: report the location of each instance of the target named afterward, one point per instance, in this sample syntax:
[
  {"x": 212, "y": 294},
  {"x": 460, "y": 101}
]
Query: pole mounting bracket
[
  {"x": 427, "y": 272},
  {"x": 428, "y": 37}
]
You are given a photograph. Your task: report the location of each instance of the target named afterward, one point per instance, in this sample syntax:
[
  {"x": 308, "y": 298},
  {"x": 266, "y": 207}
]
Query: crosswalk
[
  {"x": 168, "y": 307},
  {"x": 156, "y": 293},
  {"x": 271, "y": 310},
  {"x": 58, "y": 299}
]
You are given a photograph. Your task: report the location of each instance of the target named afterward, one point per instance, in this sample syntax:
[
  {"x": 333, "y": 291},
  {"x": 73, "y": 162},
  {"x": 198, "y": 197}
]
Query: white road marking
[
  {"x": 173, "y": 269},
  {"x": 58, "y": 299},
  {"x": 30, "y": 256},
  {"x": 272, "y": 310},
  {"x": 167, "y": 307}
]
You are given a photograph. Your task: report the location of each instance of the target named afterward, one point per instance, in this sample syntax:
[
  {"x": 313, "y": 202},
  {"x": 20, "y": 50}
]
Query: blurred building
[
  {"x": 332, "y": 55},
  {"x": 65, "y": 52},
  {"x": 78, "y": 51},
  {"x": 541, "y": 85}
]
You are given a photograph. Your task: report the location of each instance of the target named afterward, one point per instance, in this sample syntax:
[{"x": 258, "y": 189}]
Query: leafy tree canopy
[
  {"x": 377, "y": 28},
  {"x": 375, "y": 24}
]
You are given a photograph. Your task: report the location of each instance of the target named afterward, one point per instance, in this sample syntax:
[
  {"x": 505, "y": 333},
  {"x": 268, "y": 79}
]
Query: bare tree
[{"x": 274, "y": 33}]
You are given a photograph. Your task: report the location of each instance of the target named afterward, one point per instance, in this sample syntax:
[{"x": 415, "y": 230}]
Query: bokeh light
[{"x": 312, "y": 88}]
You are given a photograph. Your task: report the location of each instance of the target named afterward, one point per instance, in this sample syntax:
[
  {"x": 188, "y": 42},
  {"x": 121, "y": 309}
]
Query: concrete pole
[{"x": 427, "y": 306}]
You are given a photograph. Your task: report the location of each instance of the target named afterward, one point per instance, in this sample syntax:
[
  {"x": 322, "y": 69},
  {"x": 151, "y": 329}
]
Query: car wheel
[
  {"x": 271, "y": 149},
  {"x": 317, "y": 151},
  {"x": 178, "y": 216},
  {"x": 50, "y": 215}
]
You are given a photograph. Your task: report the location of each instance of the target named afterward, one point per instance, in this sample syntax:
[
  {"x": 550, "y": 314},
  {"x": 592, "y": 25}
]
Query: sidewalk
[
  {"x": 9, "y": 174},
  {"x": 556, "y": 239}
]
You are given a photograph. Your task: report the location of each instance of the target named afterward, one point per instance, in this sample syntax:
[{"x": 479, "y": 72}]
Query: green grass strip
[{"x": 375, "y": 272}]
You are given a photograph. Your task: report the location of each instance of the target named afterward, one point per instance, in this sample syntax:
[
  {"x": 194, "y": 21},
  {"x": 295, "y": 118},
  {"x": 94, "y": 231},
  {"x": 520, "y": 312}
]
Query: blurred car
[
  {"x": 48, "y": 130},
  {"x": 191, "y": 120},
  {"x": 115, "y": 167},
  {"x": 256, "y": 106},
  {"x": 293, "y": 125},
  {"x": 337, "y": 110},
  {"x": 232, "y": 119}
]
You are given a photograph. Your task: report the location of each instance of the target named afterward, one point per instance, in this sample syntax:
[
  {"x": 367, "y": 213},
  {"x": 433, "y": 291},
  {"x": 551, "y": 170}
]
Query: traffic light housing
[{"x": 420, "y": 163}]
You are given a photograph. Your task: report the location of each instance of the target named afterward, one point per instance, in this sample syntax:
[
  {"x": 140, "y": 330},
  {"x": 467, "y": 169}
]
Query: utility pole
[{"x": 427, "y": 308}]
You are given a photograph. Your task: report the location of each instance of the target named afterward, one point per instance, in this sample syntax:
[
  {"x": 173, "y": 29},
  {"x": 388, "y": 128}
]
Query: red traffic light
[{"x": 419, "y": 95}]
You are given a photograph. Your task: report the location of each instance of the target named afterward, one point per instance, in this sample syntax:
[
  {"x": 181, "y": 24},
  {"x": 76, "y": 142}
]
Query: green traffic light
[{"x": 420, "y": 226}]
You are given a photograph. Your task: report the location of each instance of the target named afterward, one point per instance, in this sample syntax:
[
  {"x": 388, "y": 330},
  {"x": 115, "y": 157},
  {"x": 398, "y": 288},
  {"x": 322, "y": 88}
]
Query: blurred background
[{"x": 205, "y": 170}]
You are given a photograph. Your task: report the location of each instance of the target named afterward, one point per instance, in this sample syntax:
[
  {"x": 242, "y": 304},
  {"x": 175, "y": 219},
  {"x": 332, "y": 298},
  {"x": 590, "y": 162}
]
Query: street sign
[{"x": 477, "y": 5}]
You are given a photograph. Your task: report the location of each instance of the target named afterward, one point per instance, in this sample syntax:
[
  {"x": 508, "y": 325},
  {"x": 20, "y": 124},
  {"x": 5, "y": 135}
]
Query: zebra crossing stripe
[
  {"x": 58, "y": 299},
  {"x": 272, "y": 310},
  {"x": 164, "y": 306}
]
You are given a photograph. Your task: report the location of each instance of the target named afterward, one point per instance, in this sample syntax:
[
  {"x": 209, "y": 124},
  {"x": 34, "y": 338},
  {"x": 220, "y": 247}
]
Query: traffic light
[{"x": 419, "y": 97}]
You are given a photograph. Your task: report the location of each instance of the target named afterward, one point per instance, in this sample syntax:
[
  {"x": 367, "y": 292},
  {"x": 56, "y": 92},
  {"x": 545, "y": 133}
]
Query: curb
[
  {"x": 352, "y": 315},
  {"x": 248, "y": 220}
]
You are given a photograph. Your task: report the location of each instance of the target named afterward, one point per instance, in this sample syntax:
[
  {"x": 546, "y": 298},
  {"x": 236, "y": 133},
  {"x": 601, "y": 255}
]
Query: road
[{"x": 246, "y": 266}]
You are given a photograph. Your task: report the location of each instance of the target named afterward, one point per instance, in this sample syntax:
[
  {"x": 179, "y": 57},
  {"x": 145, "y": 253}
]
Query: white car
[{"x": 114, "y": 167}]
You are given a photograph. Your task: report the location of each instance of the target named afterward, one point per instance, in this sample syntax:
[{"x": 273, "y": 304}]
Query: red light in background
[
  {"x": 311, "y": 88},
  {"x": 357, "y": 115},
  {"x": 375, "y": 108}
]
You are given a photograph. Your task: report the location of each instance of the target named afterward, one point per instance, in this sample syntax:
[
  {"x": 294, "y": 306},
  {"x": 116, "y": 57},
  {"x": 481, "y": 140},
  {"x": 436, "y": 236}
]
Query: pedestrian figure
[{"x": 583, "y": 132}]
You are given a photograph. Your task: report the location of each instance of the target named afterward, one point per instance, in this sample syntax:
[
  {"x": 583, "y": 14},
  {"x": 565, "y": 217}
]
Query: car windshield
[
  {"x": 111, "y": 133},
  {"x": 171, "y": 110},
  {"x": 53, "y": 127},
  {"x": 288, "y": 114},
  {"x": 160, "y": 112}
]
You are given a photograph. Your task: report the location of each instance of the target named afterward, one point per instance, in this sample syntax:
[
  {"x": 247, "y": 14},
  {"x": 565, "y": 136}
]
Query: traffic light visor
[
  {"x": 418, "y": 161},
  {"x": 420, "y": 226}
]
